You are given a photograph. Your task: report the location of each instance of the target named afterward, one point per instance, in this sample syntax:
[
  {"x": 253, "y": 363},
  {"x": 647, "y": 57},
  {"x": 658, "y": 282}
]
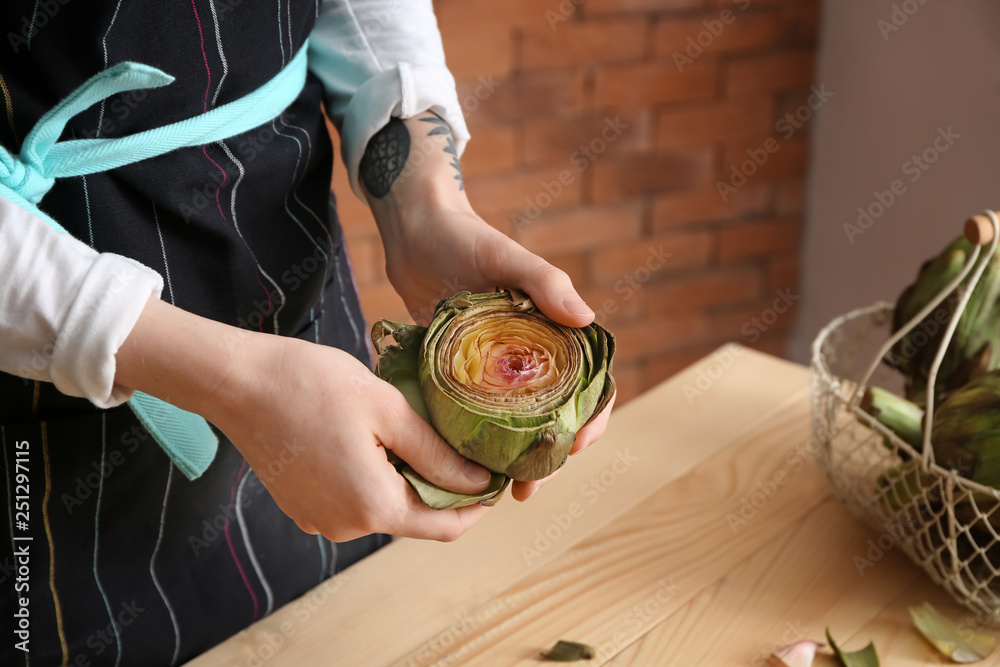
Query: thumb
[
  {"x": 549, "y": 288},
  {"x": 416, "y": 442}
]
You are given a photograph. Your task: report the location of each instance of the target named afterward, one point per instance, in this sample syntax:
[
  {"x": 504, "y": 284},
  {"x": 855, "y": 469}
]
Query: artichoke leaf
[
  {"x": 442, "y": 499},
  {"x": 565, "y": 651},
  {"x": 866, "y": 657},
  {"x": 961, "y": 645}
]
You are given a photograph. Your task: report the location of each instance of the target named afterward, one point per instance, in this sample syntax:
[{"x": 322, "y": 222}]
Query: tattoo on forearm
[
  {"x": 384, "y": 158},
  {"x": 441, "y": 127}
]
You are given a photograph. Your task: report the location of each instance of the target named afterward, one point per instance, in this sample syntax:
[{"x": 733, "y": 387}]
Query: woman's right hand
[{"x": 312, "y": 421}]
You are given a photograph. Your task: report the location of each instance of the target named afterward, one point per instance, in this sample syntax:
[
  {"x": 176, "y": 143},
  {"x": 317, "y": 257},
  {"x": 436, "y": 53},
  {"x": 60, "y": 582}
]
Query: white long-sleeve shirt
[{"x": 65, "y": 309}]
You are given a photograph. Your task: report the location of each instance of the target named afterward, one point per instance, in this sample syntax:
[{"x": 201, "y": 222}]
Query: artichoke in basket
[
  {"x": 966, "y": 431},
  {"x": 966, "y": 434},
  {"x": 974, "y": 348},
  {"x": 504, "y": 385}
]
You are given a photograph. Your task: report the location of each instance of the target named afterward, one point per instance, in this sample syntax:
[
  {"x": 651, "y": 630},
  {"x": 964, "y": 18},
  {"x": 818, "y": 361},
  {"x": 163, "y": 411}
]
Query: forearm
[
  {"x": 190, "y": 361},
  {"x": 410, "y": 169}
]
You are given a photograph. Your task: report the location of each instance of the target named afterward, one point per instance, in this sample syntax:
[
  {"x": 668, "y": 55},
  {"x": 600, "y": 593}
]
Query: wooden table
[{"x": 697, "y": 532}]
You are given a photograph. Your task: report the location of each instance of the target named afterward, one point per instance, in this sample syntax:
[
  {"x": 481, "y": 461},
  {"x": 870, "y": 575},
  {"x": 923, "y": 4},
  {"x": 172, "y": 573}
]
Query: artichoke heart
[{"x": 503, "y": 384}]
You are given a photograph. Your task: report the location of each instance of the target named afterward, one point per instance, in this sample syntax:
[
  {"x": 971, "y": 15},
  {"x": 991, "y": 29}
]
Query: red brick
[
  {"x": 477, "y": 16},
  {"x": 575, "y": 43},
  {"x": 499, "y": 219},
  {"x": 549, "y": 140},
  {"x": 794, "y": 112},
  {"x": 614, "y": 307},
  {"x": 705, "y": 205},
  {"x": 574, "y": 264},
  {"x": 790, "y": 197},
  {"x": 628, "y": 380},
  {"x": 633, "y": 260},
  {"x": 522, "y": 189},
  {"x": 793, "y": 69},
  {"x": 783, "y": 272},
  {"x": 735, "y": 119},
  {"x": 381, "y": 301},
  {"x": 790, "y": 158},
  {"x": 759, "y": 238},
  {"x": 647, "y": 84},
  {"x": 367, "y": 259},
  {"x": 358, "y": 224},
  {"x": 525, "y": 95},
  {"x": 695, "y": 38},
  {"x": 491, "y": 151},
  {"x": 803, "y": 26},
  {"x": 657, "y": 335},
  {"x": 617, "y": 177},
  {"x": 776, "y": 346},
  {"x": 748, "y": 324},
  {"x": 473, "y": 53},
  {"x": 727, "y": 287},
  {"x": 598, "y": 7},
  {"x": 665, "y": 366},
  {"x": 581, "y": 228}
]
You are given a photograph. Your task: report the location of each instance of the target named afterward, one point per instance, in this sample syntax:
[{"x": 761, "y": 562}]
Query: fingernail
[
  {"x": 576, "y": 306},
  {"x": 476, "y": 473}
]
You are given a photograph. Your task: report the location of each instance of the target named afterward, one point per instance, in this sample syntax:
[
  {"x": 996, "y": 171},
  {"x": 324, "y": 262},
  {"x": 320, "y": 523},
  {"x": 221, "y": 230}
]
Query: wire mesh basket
[{"x": 946, "y": 523}]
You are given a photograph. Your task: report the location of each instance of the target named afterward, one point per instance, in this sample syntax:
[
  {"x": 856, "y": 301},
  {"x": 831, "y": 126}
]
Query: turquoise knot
[{"x": 25, "y": 179}]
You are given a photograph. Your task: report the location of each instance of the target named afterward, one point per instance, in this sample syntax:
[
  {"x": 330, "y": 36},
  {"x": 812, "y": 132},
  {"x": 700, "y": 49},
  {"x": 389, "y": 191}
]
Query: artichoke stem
[{"x": 897, "y": 414}]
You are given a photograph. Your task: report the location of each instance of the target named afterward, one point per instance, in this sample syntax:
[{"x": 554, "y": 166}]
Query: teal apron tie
[{"x": 26, "y": 178}]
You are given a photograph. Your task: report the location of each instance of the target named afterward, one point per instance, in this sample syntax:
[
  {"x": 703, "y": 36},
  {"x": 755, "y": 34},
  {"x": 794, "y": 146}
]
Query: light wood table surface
[{"x": 638, "y": 548}]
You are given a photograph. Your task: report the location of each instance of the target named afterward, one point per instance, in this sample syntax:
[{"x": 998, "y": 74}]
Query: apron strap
[{"x": 26, "y": 178}]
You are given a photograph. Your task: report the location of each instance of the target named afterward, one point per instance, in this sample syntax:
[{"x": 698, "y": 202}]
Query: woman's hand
[
  {"x": 436, "y": 245},
  {"x": 312, "y": 421}
]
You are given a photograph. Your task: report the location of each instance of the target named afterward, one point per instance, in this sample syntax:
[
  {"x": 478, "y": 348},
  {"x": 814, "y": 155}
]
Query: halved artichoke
[{"x": 503, "y": 384}]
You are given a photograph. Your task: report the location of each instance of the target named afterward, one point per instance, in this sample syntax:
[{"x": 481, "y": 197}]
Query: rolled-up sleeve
[
  {"x": 378, "y": 59},
  {"x": 65, "y": 309}
]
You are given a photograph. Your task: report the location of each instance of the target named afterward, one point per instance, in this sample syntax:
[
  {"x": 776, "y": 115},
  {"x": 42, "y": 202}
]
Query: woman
[{"x": 187, "y": 251}]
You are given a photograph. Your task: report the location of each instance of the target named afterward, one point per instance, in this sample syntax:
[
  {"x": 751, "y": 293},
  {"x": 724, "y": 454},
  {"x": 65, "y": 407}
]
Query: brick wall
[{"x": 601, "y": 130}]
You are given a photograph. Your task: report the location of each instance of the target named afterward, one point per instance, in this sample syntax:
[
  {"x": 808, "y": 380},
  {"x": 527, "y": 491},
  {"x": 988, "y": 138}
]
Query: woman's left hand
[{"x": 436, "y": 245}]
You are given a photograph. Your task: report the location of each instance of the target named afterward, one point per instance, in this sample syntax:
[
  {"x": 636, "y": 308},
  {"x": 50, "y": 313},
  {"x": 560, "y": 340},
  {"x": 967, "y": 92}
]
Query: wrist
[
  {"x": 194, "y": 363},
  {"x": 410, "y": 171}
]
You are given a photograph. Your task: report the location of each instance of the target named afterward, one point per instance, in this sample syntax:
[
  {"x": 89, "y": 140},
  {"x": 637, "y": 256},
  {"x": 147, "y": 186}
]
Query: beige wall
[{"x": 892, "y": 93}]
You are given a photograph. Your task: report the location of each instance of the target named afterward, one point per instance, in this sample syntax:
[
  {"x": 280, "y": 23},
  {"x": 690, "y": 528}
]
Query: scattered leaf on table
[
  {"x": 799, "y": 654},
  {"x": 961, "y": 645},
  {"x": 565, "y": 651},
  {"x": 866, "y": 657}
]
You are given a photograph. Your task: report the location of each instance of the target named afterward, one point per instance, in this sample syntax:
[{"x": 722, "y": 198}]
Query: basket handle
[{"x": 980, "y": 230}]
